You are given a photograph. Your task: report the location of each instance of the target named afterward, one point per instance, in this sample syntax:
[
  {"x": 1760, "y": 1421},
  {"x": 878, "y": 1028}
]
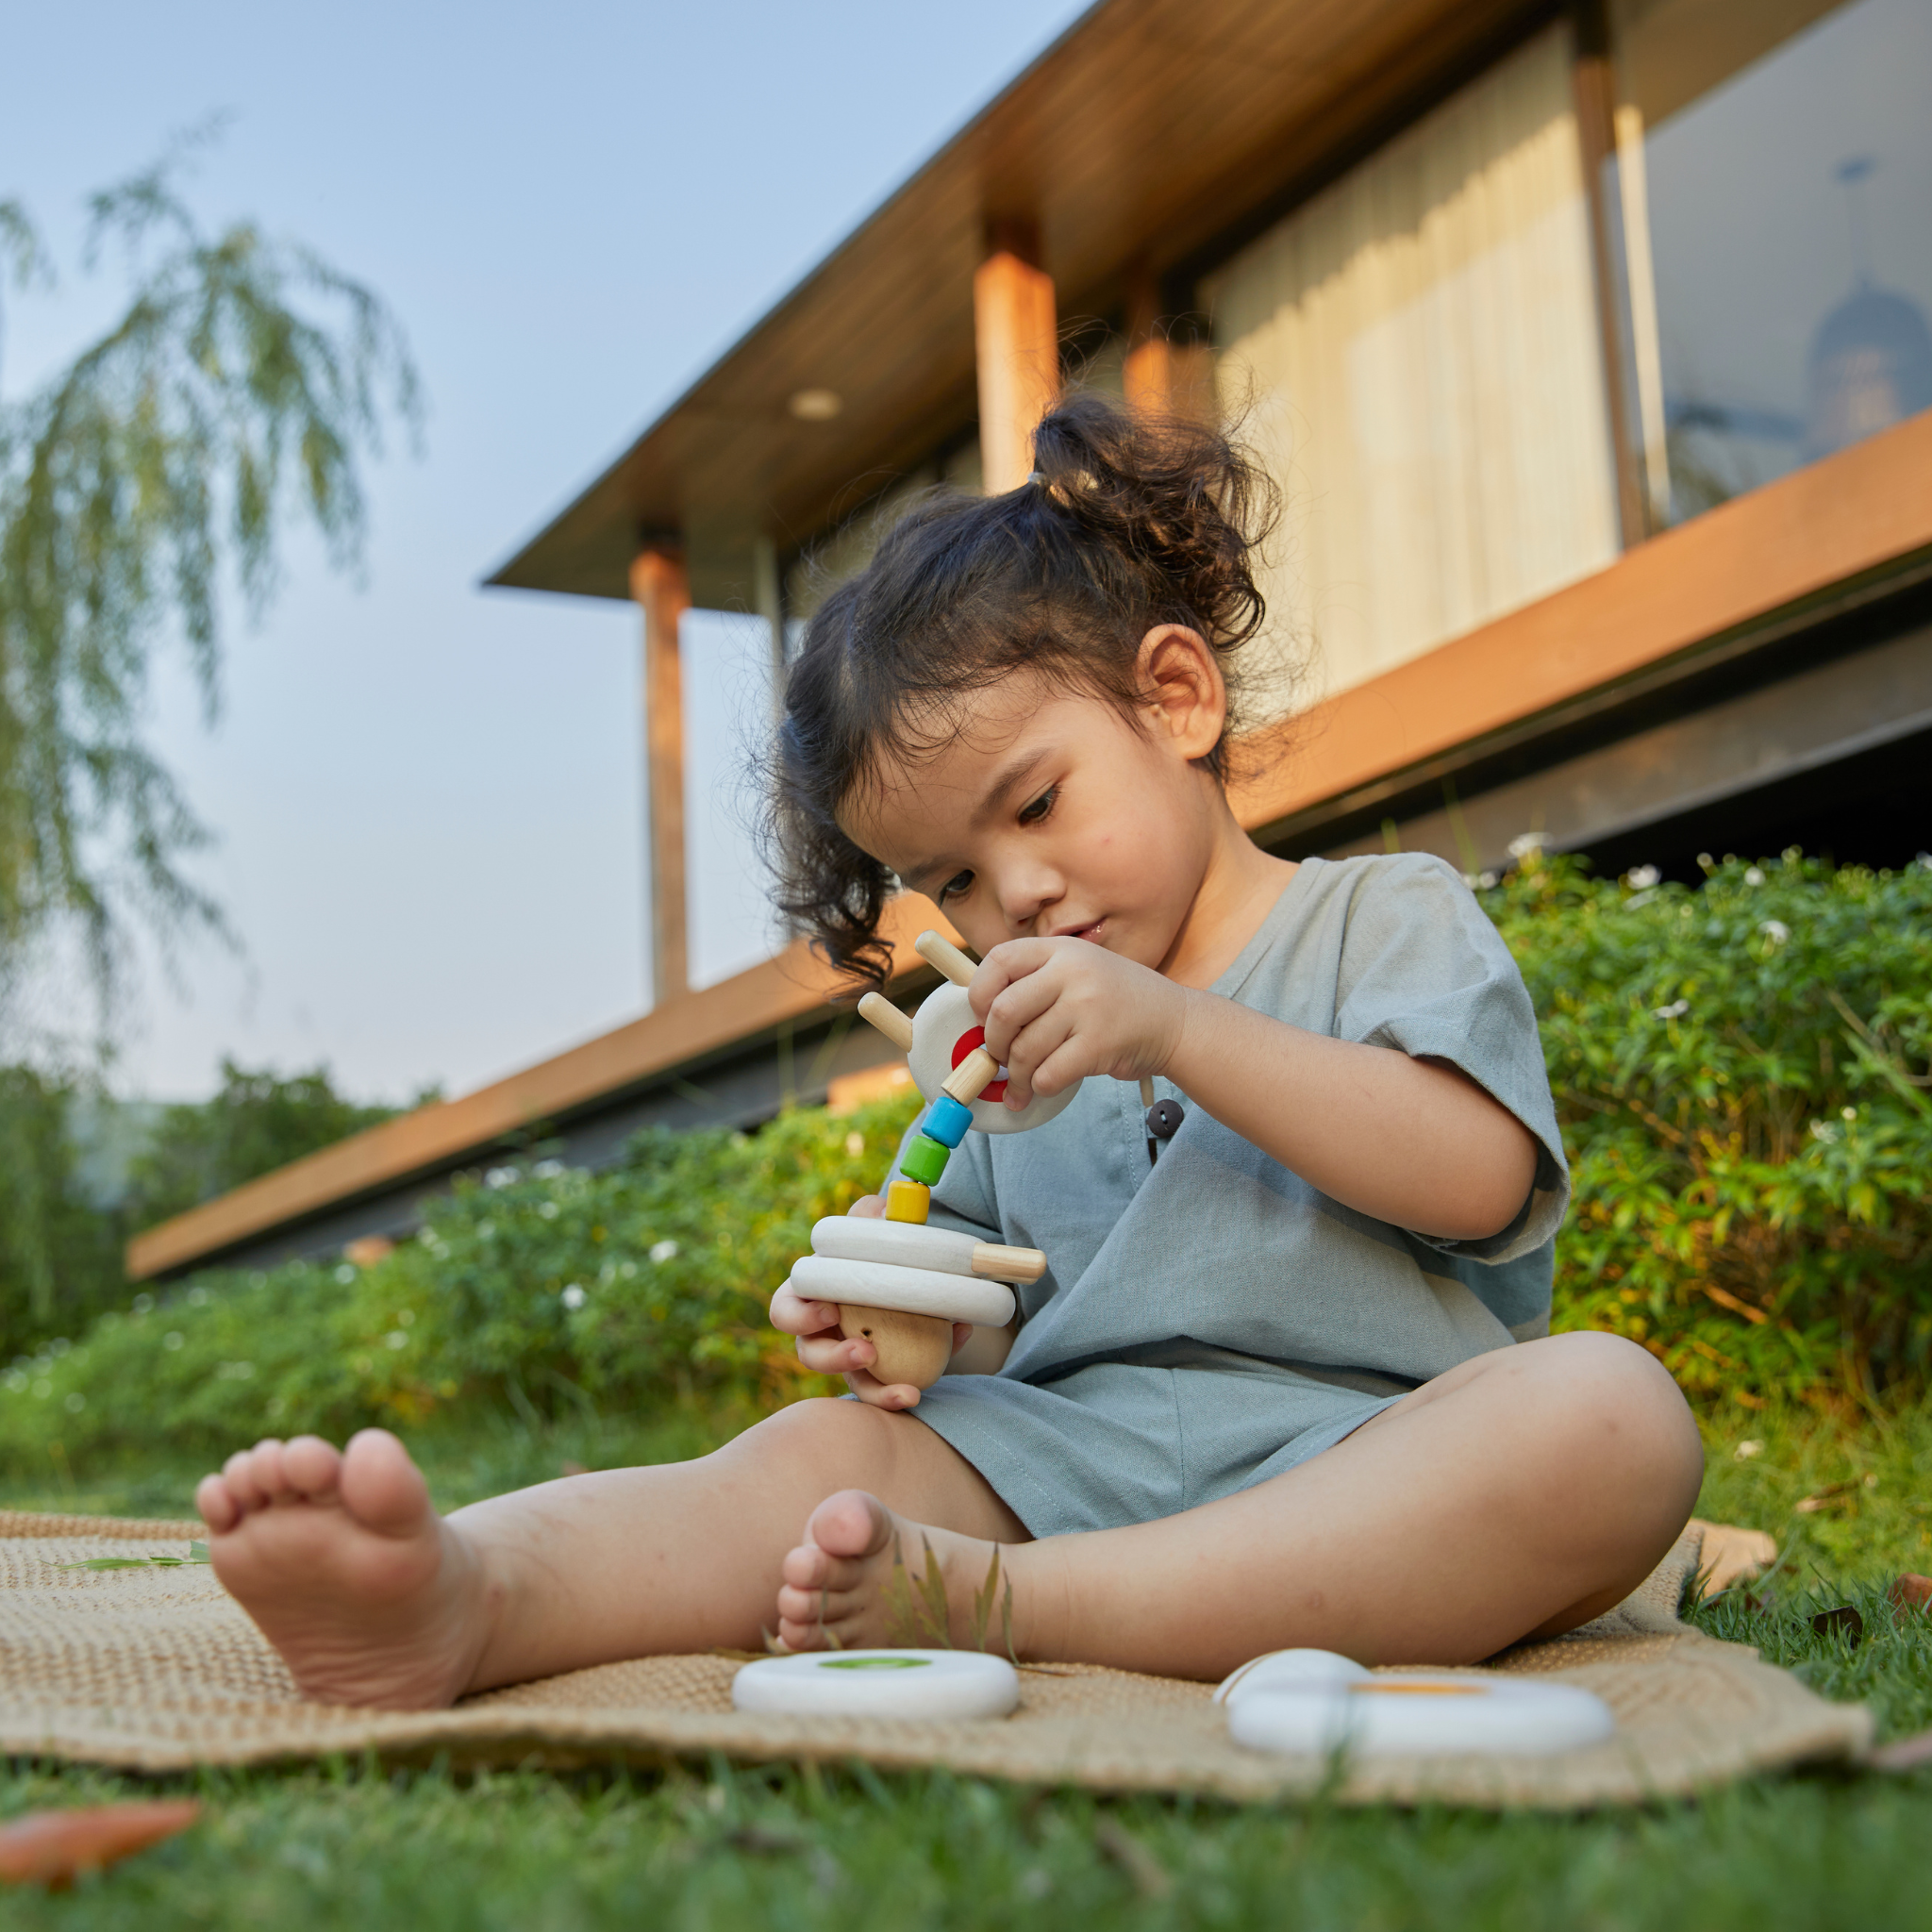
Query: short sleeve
[{"x": 1423, "y": 971}]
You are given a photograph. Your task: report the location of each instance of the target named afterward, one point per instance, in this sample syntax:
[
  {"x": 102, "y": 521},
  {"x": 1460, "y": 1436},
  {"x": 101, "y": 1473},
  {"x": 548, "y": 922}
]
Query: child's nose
[{"x": 1027, "y": 893}]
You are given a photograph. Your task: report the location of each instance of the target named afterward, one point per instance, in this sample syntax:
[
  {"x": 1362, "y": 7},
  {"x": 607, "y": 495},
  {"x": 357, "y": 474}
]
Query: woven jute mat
[{"x": 157, "y": 1669}]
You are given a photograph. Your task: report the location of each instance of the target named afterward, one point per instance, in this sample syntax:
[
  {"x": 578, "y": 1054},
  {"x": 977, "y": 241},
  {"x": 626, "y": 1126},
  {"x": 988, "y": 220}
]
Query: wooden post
[
  {"x": 1162, "y": 377},
  {"x": 1016, "y": 333},
  {"x": 1594, "y": 88},
  {"x": 661, "y": 588}
]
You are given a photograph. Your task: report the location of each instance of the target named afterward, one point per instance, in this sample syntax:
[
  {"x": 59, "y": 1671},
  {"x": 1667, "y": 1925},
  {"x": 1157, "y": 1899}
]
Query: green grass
[{"x": 351, "y": 1845}]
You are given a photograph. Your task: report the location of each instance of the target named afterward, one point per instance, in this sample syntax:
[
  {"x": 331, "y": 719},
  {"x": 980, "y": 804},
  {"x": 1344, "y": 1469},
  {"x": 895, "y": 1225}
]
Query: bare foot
[
  {"x": 338, "y": 1556},
  {"x": 839, "y": 1586}
]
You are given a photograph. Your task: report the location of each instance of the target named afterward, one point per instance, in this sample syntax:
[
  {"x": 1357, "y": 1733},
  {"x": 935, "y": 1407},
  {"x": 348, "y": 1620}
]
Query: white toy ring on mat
[
  {"x": 943, "y": 1020},
  {"x": 1288, "y": 1670},
  {"x": 879, "y": 1683},
  {"x": 1419, "y": 1713},
  {"x": 906, "y": 1291}
]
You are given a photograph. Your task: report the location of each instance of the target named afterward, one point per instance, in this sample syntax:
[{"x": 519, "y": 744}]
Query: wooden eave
[{"x": 1150, "y": 133}]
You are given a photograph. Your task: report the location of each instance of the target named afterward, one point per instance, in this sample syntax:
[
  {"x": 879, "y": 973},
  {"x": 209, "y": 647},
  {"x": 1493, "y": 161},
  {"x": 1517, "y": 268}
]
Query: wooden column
[
  {"x": 1595, "y": 94},
  {"x": 1160, "y": 375},
  {"x": 662, "y": 589},
  {"x": 1016, "y": 333}
]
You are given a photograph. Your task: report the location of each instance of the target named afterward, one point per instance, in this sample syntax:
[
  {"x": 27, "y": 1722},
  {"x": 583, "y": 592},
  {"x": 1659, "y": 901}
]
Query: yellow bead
[{"x": 908, "y": 1201}]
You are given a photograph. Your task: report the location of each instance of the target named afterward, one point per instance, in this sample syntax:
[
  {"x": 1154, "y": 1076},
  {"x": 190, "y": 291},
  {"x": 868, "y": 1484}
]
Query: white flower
[
  {"x": 1640, "y": 878},
  {"x": 1675, "y": 1011},
  {"x": 395, "y": 1339},
  {"x": 346, "y": 1272},
  {"x": 500, "y": 1177},
  {"x": 663, "y": 1251},
  {"x": 573, "y": 1297},
  {"x": 1485, "y": 881},
  {"x": 1524, "y": 843},
  {"x": 174, "y": 1338},
  {"x": 547, "y": 1170},
  {"x": 1745, "y": 1451},
  {"x": 549, "y": 1210},
  {"x": 1753, "y": 875},
  {"x": 1776, "y": 931},
  {"x": 1848, "y": 1113},
  {"x": 1823, "y": 1132},
  {"x": 427, "y": 1237}
]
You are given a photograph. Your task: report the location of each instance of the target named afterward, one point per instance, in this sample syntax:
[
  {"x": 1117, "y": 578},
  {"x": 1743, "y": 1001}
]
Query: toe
[
  {"x": 265, "y": 1465},
  {"x": 314, "y": 1467},
  {"x": 851, "y": 1523},
  {"x": 380, "y": 1486},
  {"x": 239, "y": 1473},
  {"x": 219, "y": 1510}
]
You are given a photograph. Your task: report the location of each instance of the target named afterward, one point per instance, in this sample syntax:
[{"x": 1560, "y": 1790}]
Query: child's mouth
[{"x": 1083, "y": 932}]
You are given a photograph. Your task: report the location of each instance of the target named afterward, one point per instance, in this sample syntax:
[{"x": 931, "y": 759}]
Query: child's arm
[{"x": 1411, "y": 1141}]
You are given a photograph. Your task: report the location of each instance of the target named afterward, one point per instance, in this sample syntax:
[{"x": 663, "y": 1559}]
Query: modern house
[{"x": 1589, "y": 342}]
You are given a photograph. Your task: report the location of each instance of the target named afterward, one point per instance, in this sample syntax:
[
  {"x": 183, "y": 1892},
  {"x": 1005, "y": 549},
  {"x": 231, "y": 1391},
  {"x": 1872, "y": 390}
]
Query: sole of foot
[{"x": 345, "y": 1565}]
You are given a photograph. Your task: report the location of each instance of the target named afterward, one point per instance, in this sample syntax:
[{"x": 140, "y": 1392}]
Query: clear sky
[{"x": 429, "y": 797}]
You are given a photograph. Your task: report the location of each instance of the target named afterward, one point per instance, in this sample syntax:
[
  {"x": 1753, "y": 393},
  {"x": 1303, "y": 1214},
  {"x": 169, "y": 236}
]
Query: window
[
  {"x": 1773, "y": 180},
  {"x": 1420, "y": 347}
]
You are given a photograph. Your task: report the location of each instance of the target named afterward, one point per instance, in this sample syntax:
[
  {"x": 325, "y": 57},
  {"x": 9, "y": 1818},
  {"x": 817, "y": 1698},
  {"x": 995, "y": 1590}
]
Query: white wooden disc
[
  {"x": 1421, "y": 1713},
  {"x": 1290, "y": 1669},
  {"x": 899, "y": 1243},
  {"x": 879, "y": 1683},
  {"x": 943, "y": 1017},
  {"x": 910, "y": 1291}
]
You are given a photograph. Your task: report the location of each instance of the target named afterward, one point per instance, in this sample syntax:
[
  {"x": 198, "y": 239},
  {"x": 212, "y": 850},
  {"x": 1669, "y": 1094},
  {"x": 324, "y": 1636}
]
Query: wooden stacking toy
[{"x": 898, "y": 1283}]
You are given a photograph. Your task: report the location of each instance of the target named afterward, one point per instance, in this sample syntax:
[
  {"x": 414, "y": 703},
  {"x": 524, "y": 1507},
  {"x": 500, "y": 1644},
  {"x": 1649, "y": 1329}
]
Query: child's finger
[
  {"x": 833, "y": 1355},
  {"x": 1043, "y": 1039},
  {"x": 791, "y": 1314},
  {"x": 877, "y": 1395},
  {"x": 868, "y": 1208},
  {"x": 1009, "y": 960},
  {"x": 1068, "y": 1062},
  {"x": 1016, "y": 1008}
]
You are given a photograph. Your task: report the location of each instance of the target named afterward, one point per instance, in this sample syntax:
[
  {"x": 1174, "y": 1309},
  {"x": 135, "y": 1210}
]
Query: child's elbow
[{"x": 1504, "y": 1186}]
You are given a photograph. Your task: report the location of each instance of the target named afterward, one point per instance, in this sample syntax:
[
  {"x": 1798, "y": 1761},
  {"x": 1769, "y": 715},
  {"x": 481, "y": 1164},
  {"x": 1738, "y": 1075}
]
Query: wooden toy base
[{"x": 912, "y": 1348}]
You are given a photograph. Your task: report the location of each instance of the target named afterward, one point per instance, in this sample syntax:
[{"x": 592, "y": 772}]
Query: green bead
[{"x": 924, "y": 1160}]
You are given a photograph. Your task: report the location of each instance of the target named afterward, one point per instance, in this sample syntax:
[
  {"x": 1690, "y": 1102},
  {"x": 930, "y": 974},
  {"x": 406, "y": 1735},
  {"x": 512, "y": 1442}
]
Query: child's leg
[
  {"x": 372, "y": 1598},
  {"x": 1520, "y": 1494}
]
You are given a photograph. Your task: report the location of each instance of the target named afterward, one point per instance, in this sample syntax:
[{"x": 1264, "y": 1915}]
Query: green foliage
[
  {"x": 257, "y": 1123},
  {"x": 242, "y": 384},
  {"x": 1741, "y": 1071},
  {"x": 60, "y": 1256},
  {"x": 546, "y": 1289}
]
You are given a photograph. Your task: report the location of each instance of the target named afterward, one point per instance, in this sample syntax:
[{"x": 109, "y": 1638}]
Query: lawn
[{"x": 347, "y": 1844}]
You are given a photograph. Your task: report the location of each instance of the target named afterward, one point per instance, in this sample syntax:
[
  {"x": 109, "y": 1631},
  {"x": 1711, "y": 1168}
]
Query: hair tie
[{"x": 1037, "y": 476}]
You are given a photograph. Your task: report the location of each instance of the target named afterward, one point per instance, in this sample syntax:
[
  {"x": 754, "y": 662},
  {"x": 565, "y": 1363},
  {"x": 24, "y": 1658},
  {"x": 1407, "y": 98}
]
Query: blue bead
[{"x": 947, "y": 1122}]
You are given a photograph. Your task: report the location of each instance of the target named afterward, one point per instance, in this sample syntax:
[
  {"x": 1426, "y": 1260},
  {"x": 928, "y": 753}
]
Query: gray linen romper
[{"x": 1212, "y": 1321}]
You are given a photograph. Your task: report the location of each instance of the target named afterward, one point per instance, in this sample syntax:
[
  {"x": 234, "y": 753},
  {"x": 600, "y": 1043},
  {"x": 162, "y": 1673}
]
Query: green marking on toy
[{"x": 873, "y": 1664}]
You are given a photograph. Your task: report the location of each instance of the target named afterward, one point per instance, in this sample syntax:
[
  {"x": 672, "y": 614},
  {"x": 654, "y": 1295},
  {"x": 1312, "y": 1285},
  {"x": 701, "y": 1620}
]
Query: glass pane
[{"x": 1774, "y": 182}]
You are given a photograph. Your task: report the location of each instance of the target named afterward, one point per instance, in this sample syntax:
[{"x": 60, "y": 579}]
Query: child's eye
[
  {"x": 1032, "y": 814},
  {"x": 961, "y": 882}
]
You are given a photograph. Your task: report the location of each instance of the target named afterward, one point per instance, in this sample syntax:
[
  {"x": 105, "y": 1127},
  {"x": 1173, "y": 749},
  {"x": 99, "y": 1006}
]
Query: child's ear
[{"x": 1185, "y": 695}]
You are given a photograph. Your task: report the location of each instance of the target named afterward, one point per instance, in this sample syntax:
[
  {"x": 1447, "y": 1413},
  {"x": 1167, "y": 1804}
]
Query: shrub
[
  {"x": 536, "y": 1285},
  {"x": 1741, "y": 1075}
]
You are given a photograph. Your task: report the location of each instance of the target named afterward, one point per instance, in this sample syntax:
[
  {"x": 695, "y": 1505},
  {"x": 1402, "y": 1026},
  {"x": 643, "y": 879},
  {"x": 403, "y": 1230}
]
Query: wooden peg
[
  {"x": 972, "y": 1076},
  {"x": 888, "y": 1019},
  {"x": 1007, "y": 1264},
  {"x": 946, "y": 956}
]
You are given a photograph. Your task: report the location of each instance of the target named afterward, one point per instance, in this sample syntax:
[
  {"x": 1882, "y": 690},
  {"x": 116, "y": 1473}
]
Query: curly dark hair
[{"x": 1131, "y": 521}]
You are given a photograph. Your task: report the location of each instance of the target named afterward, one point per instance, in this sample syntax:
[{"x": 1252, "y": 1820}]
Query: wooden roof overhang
[{"x": 1152, "y": 136}]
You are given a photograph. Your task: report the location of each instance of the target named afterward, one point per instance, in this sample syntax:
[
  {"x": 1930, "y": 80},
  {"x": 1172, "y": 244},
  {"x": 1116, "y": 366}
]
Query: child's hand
[
  {"x": 1056, "y": 1011},
  {"x": 826, "y": 1352}
]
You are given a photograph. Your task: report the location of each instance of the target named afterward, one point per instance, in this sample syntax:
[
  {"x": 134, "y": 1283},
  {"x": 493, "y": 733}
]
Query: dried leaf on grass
[
  {"x": 53, "y": 1848},
  {"x": 1149, "y": 1877}
]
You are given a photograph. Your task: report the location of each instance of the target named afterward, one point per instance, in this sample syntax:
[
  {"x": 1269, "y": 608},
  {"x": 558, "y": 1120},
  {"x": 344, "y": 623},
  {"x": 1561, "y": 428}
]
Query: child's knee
[
  {"x": 843, "y": 1443},
  {"x": 1619, "y": 1404}
]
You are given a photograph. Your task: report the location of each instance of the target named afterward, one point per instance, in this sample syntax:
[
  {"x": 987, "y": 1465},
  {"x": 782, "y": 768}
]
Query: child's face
[{"x": 1052, "y": 816}]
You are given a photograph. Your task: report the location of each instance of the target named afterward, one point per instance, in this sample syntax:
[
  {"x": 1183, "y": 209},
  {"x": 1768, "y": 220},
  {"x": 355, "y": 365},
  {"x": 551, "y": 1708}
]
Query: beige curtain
[{"x": 1420, "y": 346}]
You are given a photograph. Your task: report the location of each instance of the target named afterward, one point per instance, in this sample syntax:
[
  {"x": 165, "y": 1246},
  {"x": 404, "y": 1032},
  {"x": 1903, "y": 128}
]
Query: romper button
[{"x": 1164, "y": 1119}]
